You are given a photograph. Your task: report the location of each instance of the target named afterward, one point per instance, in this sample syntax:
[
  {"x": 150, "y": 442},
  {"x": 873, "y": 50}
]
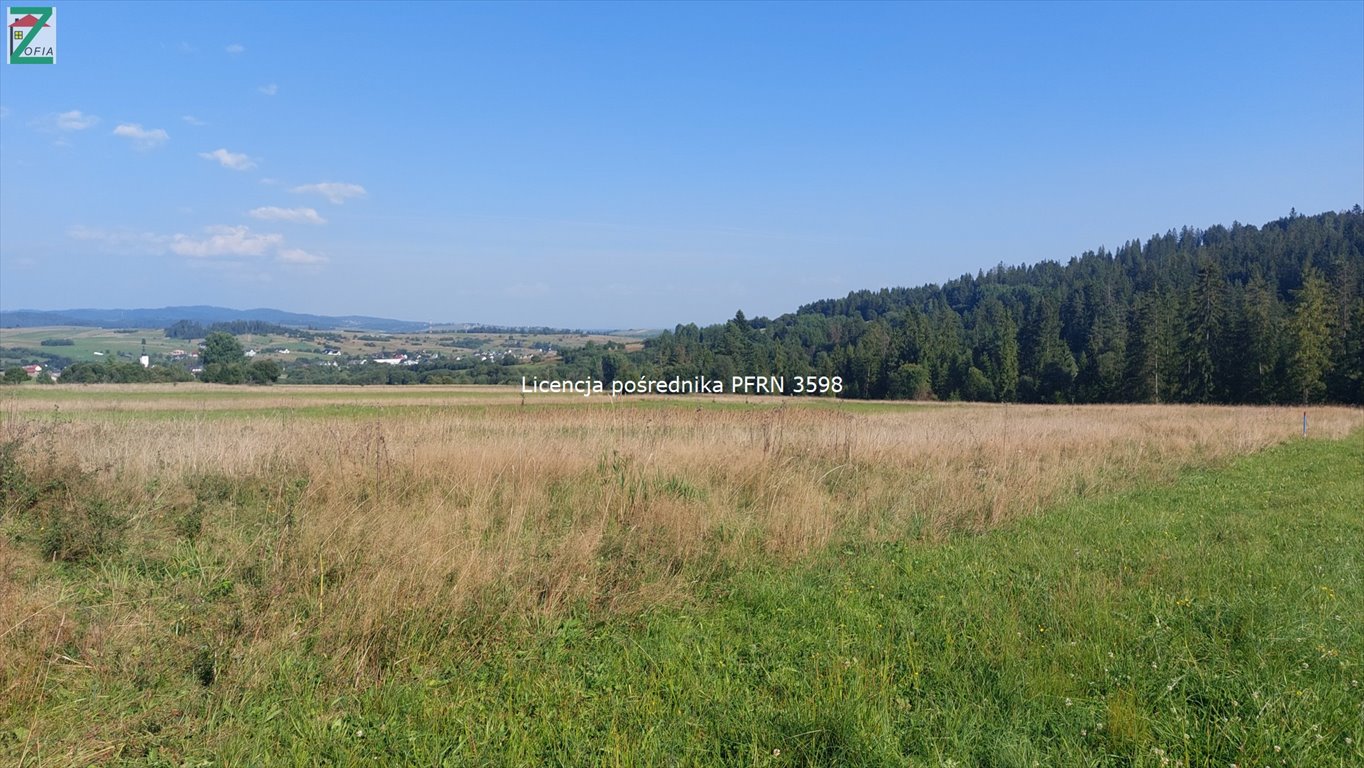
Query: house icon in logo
[
  {"x": 19, "y": 29},
  {"x": 32, "y": 39}
]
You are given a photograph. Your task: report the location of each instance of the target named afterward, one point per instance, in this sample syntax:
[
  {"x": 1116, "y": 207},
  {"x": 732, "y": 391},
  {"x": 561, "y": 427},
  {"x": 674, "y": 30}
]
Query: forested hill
[{"x": 1240, "y": 314}]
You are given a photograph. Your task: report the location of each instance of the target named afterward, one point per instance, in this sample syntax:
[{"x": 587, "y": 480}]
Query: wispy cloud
[
  {"x": 273, "y": 213},
  {"x": 218, "y": 246},
  {"x": 142, "y": 138},
  {"x": 185, "y": 48},
  {"x": 336, "y": 192},
  {"x": 225, "y": 241},
  {"x": 192, "y": 120},
  {"x": 74, "y": 120},
  {"x": 235, "y": 48},
  {"x": 300, "y": 257},
  {"x": 269, "y": 89},
  {"x": 233, "y": 160}
]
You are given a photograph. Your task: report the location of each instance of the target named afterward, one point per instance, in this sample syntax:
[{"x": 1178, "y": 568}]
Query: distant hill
[{"x": 165, "y": 316}]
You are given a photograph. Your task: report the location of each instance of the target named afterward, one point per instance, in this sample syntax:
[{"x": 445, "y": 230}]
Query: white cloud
[
  {"x": 272, "y": 213},
  {"x": 335, "y": 191},
  {"x": 218, "y": 247},
  {"x": 142, "y": 138},
  {"x": 300, "y": 257},
  {"x": 269, "y": 90},
  {"x": 4, "y": 112},
  {"x": 75, "y": 120},
  {"x": 225, "y": 241},
  {"x": 235, "y": 48},
  {"x": 185, "y": 48},
  {"x": 192, "y": 120},
  {"x": 234, "y": 160}
]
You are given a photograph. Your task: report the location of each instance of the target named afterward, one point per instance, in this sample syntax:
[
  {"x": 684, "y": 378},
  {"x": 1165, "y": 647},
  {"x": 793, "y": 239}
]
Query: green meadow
[
  {"x": 294, "y": 603},
  {"x": 1214, "y": 622}
]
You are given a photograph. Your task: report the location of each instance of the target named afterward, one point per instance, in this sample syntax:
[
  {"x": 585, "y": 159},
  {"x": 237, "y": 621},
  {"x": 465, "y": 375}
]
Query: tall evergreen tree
[
  {"x": 1203, "y": 333},
  {"x": 1311, "y": 338},
  {"x": 1260, "y": 346}
]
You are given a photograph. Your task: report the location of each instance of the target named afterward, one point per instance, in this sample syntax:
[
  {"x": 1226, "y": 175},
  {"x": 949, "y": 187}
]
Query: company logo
[{"x": 32, "y": 33}]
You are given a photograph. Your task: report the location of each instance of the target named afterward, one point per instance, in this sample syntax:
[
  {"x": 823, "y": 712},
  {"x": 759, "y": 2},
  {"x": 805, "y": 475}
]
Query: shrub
[{"x": 79, "y": 534}]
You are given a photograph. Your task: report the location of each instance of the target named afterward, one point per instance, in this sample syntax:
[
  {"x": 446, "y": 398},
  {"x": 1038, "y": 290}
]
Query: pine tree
[
  {"x": 1260, "y": 345},
  {"x": 1311, "y": 337},
  {"x": 1203, "y": 333}
]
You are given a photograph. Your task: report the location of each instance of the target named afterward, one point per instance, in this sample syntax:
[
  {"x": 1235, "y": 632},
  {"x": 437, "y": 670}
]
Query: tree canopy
[{"x": 1243, "y": 314}]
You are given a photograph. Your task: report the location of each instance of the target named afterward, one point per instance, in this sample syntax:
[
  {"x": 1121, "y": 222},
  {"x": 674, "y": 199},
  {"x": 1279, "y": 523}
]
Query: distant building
[
  {"x": 145, "y": 360},
  {"x": 33, "y": 370}
]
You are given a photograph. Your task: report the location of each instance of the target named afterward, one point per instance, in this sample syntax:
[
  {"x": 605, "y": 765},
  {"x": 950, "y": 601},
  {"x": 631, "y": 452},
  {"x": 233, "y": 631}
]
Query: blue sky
[{"x": 628, "y": 165}]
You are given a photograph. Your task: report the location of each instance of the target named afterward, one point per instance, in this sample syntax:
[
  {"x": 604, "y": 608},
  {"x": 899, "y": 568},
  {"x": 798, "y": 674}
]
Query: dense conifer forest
[{"x": 1239, "y": 314}]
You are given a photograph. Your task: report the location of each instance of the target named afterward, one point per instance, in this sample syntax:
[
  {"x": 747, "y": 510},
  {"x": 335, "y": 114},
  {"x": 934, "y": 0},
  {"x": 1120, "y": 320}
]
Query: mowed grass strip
[{"x": 1214, "y": 622}]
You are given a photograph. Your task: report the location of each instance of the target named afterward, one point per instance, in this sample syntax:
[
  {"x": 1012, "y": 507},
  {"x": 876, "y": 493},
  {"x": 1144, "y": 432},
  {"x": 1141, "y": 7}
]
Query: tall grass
[{"x": 173, "y": 540}]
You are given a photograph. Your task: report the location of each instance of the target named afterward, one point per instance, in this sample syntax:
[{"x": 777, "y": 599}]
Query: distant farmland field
[{"x": 466, "y": 576}]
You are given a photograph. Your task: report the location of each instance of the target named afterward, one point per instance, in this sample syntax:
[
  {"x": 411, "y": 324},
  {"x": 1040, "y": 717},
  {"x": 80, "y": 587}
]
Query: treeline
[
  {"x": 1245, "y": 314},
  {"x": 189, "y": 329},
  {"x": 114, "y": 372},
  {"x": 25, "y": 356},
  {"x": 525, "y": 329},
  {"x": 591, "y": 360}
]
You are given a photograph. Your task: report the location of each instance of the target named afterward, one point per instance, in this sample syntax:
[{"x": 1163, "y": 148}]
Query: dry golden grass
[{"x": 360, "y": 525}]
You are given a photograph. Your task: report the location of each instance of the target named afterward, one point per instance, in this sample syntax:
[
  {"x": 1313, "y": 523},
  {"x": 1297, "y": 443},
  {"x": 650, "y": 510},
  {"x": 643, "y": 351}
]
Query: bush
[
  {"x": 80, "y": 534},
  {"x": 17, "y": 490},
  {"x": 263, "y": 372}
]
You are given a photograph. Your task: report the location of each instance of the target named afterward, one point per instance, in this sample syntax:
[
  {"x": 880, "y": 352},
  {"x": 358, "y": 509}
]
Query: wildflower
[{"x": 776, "y": 753}]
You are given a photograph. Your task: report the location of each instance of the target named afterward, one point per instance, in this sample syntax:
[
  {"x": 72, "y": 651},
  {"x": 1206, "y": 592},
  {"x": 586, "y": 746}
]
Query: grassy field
[{"x": 196, "y": 574}]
